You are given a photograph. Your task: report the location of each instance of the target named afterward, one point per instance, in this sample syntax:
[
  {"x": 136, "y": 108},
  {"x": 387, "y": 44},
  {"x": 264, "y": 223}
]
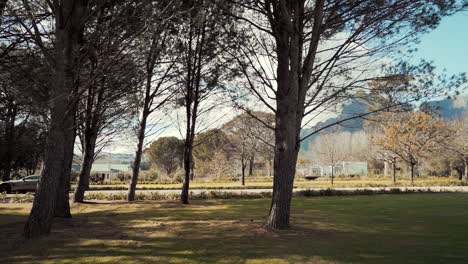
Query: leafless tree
[{"x": 331, "y": 148}]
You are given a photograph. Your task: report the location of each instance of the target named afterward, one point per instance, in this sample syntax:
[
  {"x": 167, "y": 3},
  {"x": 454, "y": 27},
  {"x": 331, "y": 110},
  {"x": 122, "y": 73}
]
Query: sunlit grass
[{"x": 412, "y": 228}]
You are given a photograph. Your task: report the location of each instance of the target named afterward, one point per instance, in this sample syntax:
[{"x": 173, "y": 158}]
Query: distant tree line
[
  {"x": 412, "y": 143},
  {"x": 237, "y": 149}
]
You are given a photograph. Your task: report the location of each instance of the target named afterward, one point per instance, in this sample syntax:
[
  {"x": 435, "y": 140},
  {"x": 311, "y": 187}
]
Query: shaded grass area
[
  {"x": 416, "y": 228},
  {"x": 267, "y": 182}
]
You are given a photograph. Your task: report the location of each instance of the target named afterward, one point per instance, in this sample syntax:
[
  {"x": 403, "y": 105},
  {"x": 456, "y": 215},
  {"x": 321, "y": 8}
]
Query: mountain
[
  {"x": 448, "y": 109},
  {"x": 350, "y": 109}
]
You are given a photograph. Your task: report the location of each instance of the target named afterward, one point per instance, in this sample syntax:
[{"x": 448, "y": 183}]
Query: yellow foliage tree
[{"x": 411, "y": 137}]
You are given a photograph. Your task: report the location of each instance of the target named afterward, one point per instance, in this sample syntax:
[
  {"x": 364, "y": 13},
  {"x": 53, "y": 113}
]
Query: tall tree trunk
[
  {"x": 251, "y": 164},
  {"x": 88, "y": 159},
  {"x": 293, "y": 73},
  {"x": 385, "y": 172},
  {"x": 62, "y": 208},
  {"x": 332, "y": 170},
  {"x": 192, "y": 169},
  {"x": 139, "y": 153},
  {"x": 287, "y": 143},
  {"x": 283, "y": 178},
  {"x": 142, "y": 131},
  {"x": 270, "y": 167},
  {"x": 68, "y": 27},
  {"x": 193, "y": 80},
  {"x": 188, "y": 155},
  {"x": 466, "y": 169},
  {"x": 243, "y": 165},
  {"x": 394, "y": 171},
  {"x": 90, "y": 135},
  {"x": 412, "y": 173},
  {"x": 188, "y": 152},
  {"x": 10, "y": 142},
  {"x": 184, "y": 196}
]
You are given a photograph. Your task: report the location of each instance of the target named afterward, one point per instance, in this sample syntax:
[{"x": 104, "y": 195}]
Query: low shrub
[{"x": 155, "y": 196}]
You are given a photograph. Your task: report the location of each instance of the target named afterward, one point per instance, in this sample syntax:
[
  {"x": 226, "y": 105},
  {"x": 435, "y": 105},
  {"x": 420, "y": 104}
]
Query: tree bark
[
  {"x": 69, "y": 25},
  {"x": 10, "y": 141},
  {"x": 192, "y": 169},
  {"x": 287, "y": 143},
  {"x": 62, "y": 208},
  {"x": 466, "y": 169},
  {"x": 243, "y": 165},
  {"x": 283, "y": 174},
  {"x": 332, "y": 170},
  {"x": 188, "y": 151},
  {"x": 88, "y": 159},
  {"x": 139, "y": 153},
  {"x": 385, "y": 172},
  {"x": 184, "y": 196},
  {"x": 394, "y": 171},
  {"x": 251, "y": 165},
  {"x": 270, "y": 167},
  {"x": 194, "y": 66},
  {"x": 412, "y": 173},
  {"x": 92, "y": 123},
  {"x": 293, "y": 73}
]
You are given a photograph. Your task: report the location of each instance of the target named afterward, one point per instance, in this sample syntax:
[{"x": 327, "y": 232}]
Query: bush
[
  {"x": 123, "y": 177},
  {"x": 74, "y": 176},
  {"x": 96, "y": 178},
  {"x": 148, "y": 176}
]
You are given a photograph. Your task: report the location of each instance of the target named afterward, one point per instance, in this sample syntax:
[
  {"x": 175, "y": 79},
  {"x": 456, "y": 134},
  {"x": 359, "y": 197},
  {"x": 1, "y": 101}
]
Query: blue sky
[{"x": 447, "y": 45}]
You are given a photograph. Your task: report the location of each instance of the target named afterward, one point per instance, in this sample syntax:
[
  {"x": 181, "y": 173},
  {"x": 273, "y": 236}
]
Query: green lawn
[{"x": 410, "y": 228}]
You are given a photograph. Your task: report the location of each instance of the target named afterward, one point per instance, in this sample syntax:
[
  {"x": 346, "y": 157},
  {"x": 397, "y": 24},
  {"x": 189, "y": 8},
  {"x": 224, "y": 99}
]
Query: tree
[
  {"x": 109, "y": 77},
  {"x": 206, "y": 35},
  {"x": 296, "y": 66},
  {"x": 51, "y": 197},
  {"x": 332, "y": 148},
  {"x": 457, "y": 142},
  {"x": 22, "y": 111},
  {"x": 166, "y": 153},
  {"x": 248, "y": 137},
  {"x": 411, "y": 137},
  {"x": 210, "y": 147},
  {"x": 156, "y": 53}
]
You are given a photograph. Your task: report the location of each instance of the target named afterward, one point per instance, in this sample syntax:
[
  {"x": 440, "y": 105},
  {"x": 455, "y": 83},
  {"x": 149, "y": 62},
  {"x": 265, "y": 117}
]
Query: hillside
[{"x": 448, "y": 109}]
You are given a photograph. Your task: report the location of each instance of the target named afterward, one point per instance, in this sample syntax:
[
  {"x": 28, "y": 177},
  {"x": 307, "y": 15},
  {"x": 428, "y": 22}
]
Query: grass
[
  {"x": 267, "y": 182},
  {"x": 416, "y": 228}
]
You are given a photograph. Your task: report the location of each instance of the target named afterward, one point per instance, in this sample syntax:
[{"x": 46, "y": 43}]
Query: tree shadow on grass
[{"x": 207, "y": 232}]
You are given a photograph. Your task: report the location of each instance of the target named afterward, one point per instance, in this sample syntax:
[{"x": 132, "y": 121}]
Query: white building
[
  {"x": 110, "y": 170},
  {"x": 344, "y": 168}
]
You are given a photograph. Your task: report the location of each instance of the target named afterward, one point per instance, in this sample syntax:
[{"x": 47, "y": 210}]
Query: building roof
[{"x": 110, "y": 167}]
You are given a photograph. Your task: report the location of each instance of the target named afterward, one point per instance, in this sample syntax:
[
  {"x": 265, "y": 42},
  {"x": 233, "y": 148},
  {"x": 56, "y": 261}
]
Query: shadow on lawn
[{"x": 206, "y": 232}]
